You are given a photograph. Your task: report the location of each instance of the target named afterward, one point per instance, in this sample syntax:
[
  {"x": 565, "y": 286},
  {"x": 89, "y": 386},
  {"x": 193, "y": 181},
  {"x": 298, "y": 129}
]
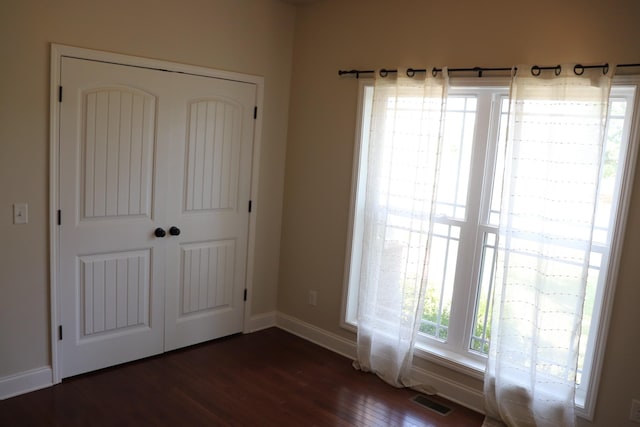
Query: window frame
[{"x": 467, "y": 363}]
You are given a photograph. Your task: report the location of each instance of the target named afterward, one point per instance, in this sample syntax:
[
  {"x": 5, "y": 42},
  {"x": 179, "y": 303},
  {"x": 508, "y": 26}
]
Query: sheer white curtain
[
  {"x": 403, "y": 163},
  {"x": 555, "y": 138}
]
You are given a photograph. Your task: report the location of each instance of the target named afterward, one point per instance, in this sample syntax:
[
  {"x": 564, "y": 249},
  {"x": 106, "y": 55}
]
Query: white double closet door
[{"x": 143, "y": 153}]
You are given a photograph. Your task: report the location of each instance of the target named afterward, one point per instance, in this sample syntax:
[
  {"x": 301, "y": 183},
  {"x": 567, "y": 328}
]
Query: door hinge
[
  {"x": 59, "y": 93},
  {"x": 255, "y": 112},
  {"x": 249, "y": 206},
  {"x": 59, "y": 217},
  {"x": 59, "y": 332},
  {"x": 245, "y": 294}
]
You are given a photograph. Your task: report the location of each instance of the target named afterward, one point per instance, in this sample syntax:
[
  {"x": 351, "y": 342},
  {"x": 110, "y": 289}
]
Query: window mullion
[
  {"x": 465, "y": 290},
  {"x": 491, "y": 133}
]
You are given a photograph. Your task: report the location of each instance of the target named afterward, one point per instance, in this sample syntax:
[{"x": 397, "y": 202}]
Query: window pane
[
  {"x": 593, "y": 279},
  {"x": 406, "y": 162},
  {"x": 455, "y": 164},
  {"x": 608, "y": 194},
  {"x": 440, "y": 281},
  {"x": 496, "y": 190},
  {"x": 481, "y": 333},
  {"x": 607, "y": 189}
]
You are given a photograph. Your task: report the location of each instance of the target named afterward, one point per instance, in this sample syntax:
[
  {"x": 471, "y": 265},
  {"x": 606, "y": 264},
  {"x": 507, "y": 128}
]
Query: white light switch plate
[
  {"x": 635, "y": 410},
  {"x": 20, "y": 213}
]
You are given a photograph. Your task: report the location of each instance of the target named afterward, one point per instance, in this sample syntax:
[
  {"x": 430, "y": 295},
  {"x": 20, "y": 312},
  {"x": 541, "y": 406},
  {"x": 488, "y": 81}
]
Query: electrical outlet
[
  {"x": 635, "y": 411},
  {"x": 313, "y": 298}
]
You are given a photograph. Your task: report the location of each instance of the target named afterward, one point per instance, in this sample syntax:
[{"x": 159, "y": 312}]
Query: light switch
[{"x": 20, "y": 213}]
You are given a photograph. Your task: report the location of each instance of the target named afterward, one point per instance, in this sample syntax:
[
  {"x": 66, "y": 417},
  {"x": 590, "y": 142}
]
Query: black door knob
[
  {"x": 174, "y": 231},
  {"x": 159, "y": 232}
]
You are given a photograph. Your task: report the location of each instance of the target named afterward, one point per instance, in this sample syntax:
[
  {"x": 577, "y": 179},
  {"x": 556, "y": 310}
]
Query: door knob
[
  {"x": 174, "y": 231},
  {"x": 159, "y": 232}
]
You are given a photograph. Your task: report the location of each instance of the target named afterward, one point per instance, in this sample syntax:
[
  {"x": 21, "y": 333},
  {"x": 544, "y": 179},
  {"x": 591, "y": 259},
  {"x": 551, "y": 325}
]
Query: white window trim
[{"x": 472, "y": 367}]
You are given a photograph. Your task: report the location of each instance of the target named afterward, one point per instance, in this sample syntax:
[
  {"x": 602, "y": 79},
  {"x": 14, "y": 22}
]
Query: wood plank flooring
[{"x": 268, "y": 378}]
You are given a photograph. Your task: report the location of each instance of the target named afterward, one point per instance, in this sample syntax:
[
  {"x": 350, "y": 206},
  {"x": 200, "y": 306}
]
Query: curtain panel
[
  {"x": 402, "y": 170},
  {"x": 553, "y": 159}
]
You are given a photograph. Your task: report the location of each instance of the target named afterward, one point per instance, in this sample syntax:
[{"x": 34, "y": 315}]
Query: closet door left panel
[{"x": 113, "y": 144}]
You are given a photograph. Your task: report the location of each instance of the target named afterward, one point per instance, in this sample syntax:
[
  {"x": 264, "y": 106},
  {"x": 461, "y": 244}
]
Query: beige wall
[
  {"x": 339, "y": 34},
  {"x": 248, "y": 36}
]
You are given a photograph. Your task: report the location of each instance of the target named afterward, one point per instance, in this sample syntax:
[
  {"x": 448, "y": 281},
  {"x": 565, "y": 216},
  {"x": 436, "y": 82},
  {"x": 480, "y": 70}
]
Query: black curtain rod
[{"x": 578, "y": 69}]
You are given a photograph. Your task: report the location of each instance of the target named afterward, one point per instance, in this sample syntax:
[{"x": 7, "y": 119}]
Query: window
[{"x": 456, "y": 320}]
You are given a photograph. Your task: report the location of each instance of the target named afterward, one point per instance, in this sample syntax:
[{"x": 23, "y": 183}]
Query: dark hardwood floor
[{"x": 268, "y": 378}]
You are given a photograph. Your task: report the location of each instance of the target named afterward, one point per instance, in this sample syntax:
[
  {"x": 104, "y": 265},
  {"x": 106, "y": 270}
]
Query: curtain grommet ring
[
  {"x": 411, "y": 72},
  {"x": 578, "y": 69},
  {"x": 434, "y": 72},
  {"x": 557, "y": 70},
  {"x": 535, "y": 71},
  {"x": 384, "y": 73},
  {"x": 605, "y": 68}
]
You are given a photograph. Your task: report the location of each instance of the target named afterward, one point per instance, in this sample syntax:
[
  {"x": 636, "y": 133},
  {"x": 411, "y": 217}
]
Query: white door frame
[{"x": 57, "y": 53}]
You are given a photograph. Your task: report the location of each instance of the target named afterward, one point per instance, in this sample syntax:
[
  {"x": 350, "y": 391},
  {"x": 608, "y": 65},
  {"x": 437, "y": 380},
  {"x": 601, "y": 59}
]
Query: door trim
[{"x": 59, "y": 51}]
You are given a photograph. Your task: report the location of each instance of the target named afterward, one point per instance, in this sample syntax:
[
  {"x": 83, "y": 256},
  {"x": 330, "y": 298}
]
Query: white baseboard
[
  {"x": 445, "y": 387},
  {"x": 24, "y": 382},
  {"x": 260, "y": 322},
  {"x": 316, "y": 335}
]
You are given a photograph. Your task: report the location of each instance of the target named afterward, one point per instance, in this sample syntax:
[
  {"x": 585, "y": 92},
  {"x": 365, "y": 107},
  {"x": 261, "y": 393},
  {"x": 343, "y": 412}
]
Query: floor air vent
[{"x": 439, "y": 408}]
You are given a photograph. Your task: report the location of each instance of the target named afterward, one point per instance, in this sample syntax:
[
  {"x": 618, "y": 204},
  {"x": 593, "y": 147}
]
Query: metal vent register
[{"x": 439, "y": 408}]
